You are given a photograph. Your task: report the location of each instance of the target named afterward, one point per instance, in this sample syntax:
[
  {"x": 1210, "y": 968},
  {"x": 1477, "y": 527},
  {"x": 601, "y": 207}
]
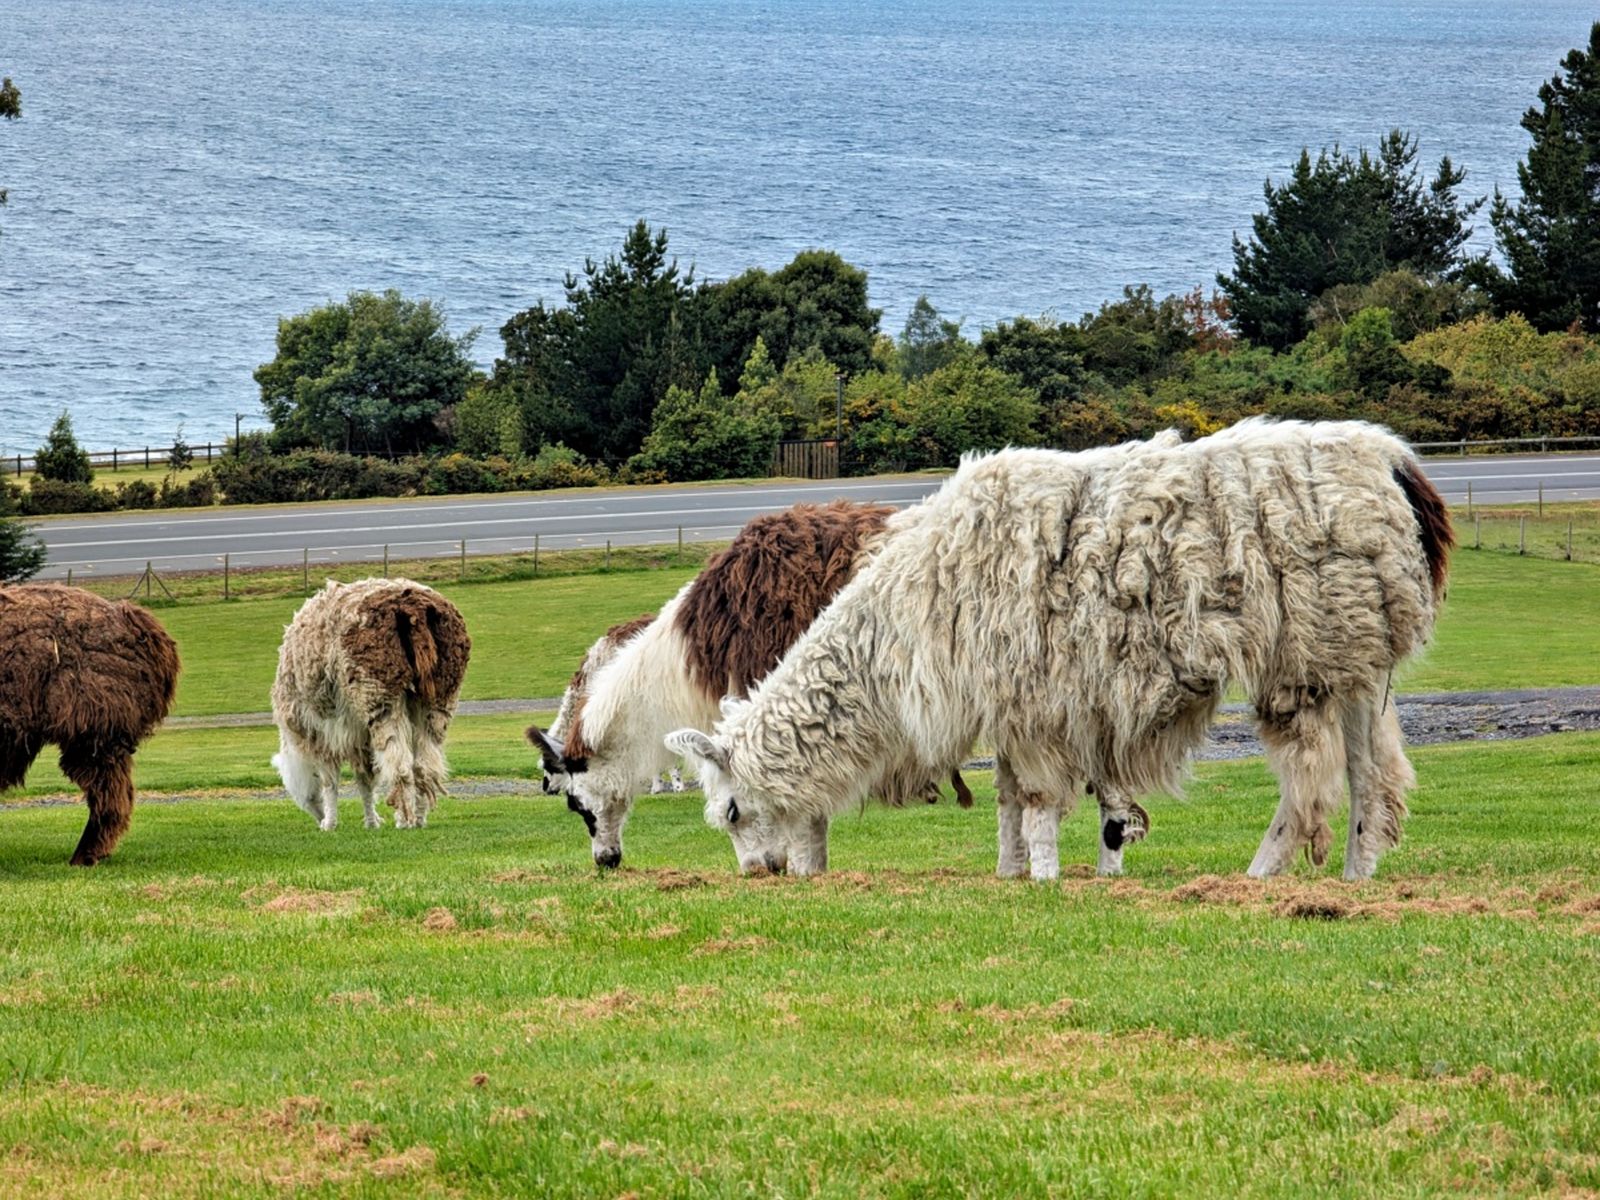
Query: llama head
[
  {"x": 558, "y": 768},
  {"x": 758, "y": 840}
]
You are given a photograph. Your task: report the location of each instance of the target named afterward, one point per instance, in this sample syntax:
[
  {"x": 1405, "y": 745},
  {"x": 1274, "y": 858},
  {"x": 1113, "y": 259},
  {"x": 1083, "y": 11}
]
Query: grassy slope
[
  {"x": 238, "y": 1004},
  {"x": 1510, "y": 622}
]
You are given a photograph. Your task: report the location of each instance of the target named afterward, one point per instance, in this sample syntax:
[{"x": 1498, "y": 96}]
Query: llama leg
[
  {"x": 430, "y": 770},
  {"x": 1008, "y": 801},
  {"x": 1041, "y": 825},
  {"x": 328, "y": 786},
  {"x": 676, "y": 778},
  {"x": 808, "y": 852},
  {"x": 1306, "y": 750},
  {"x": 371, "y": 817},
  {"x": 300, "y": 776},
  {"x": 17, "y": 753},
  {"x": 391, "y": 753},
  {"x": 1380, "y": 775},
  {"x": 105, "y": 773},
  {"x": 1121, "y": 822}
]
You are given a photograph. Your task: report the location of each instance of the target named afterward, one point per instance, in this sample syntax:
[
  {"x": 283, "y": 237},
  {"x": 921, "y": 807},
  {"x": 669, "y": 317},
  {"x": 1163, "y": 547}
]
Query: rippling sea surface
[{"x": 187, "y": 172}]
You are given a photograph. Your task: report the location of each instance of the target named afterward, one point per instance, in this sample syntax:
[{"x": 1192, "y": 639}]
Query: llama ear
[
  {"x": 732, "y": 705},
  {"x": 549, "y": 749},
  {"x": 693, "y": 744}
]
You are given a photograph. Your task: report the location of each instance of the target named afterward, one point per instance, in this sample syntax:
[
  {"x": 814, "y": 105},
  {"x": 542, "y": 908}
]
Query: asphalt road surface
[{"x": 178, "y": 540}]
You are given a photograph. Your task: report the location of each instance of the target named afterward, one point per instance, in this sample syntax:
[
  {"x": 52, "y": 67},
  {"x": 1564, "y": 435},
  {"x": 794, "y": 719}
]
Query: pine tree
[
  {"x": 1550, "y": 239},
  {"x": 21, "y": 553},
  {"x": 61, "y": 458},
  {"x": 1343, "y": 220}
]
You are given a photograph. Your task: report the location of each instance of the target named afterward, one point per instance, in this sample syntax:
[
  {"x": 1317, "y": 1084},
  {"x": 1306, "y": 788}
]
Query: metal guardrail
[{"x": 1461, "y": 446}]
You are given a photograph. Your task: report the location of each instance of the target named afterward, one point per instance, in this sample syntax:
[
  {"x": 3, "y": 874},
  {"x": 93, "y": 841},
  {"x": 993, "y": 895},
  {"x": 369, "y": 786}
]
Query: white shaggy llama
[
  {"x": 368, "y": 675},
  {"x": 721, "y": 633},
  {"x": 1086, "y": 612}
]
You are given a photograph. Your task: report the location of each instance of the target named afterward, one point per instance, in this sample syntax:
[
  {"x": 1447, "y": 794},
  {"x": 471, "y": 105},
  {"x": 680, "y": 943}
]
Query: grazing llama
[
  {"x": 1086, "y": 613},
  {"x": 368, "y": 675},
  {"x": 720, "y": 634},
  {"x": 723, "y": 632},
  {"x": 92, "y": 676}
]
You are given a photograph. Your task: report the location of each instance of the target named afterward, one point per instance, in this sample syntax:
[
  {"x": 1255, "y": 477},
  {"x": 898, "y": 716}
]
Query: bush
[
  {"x": 50, "y": 497},
  {"x": 199, "y": 492},
  {"x": 456, "y": 474},
  {"x": 252, "y": 478},
  {"x": 137, "y": 493},
  {"x": 708, "y": 436}
]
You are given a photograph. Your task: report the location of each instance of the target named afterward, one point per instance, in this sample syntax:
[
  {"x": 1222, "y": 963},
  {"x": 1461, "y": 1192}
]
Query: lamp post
[
  {"x": 236, "y": 419},
  {"x": 838, "y": 415}
]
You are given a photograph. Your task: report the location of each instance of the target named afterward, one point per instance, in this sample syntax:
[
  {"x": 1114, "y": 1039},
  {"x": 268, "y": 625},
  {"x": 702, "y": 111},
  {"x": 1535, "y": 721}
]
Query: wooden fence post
[
  {"x": 1569, "y": 539},
  {"x": 1522, "y": 534},
  {"x": 1469, "y": 497},
  {"x": 1541, "y": 498},
  {"x": 226, "y": 588},
  {"x": 386, "y": 560},
  {"x": 461, "y": 575},
  {"x": 1477, "y": 532},
  {"x": 536, "y": 554},
  {"x": 305, "y": 571},
  {"x": 608, "y": 554}
]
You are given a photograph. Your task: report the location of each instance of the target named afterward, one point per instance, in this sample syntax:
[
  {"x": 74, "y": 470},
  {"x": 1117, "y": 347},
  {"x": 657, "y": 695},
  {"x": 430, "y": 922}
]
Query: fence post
[
  {"x": 226, "y": 589},
  {"x": 608, "y": 554},
  {"x": 1569, "y": 539},
  {"x": 305, "y": 571},
  {"x": 147, "y": 458},
  {"x": 1463, "y": 447},
  {"x": 1569, "y": 542},
  {"x": 386, "y": 560},
  {"x": 461, "y": 575},
  {"x": 147, "y": 574},
  {"x": 1469, "y": 497},
  {"x": 19, "y": 466},
  {"x": 680, "y": 543},
  {"x": 536, "y": 554},
  {"x": 113, "y": 460},
  {"x": 1541, "y": 498},
  {"x": 1477, "y": 532},
  {"x": 1522, "y": 534}
]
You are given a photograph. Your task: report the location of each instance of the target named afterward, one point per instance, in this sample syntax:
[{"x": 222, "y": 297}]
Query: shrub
[
  {"x": 49, "y": 497},
  {"x": 199, "y": 492},
  {"x": 137, "y": 493},
  {"x": 61, "y": 459}
]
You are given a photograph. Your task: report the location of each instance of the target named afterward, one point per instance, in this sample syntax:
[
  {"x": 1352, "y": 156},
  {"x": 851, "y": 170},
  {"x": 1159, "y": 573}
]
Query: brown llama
[
  {"x": 368, "y": 675},
  {"x": 92, "y": 676}
]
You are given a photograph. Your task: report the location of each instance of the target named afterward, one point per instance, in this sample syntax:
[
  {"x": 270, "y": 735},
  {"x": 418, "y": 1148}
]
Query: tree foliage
[
  {"x": 928, "y": 341},
  {"x": 10, "y": 109},
  {"x": 61, "y": 459},
  {"x": 22, "y": 554},
  {"x": 1550, "y": 239},
  {"x": 1342, "y": 220},
  {"x": 707, "y": 435},
  {"x": 371, "y": 372}
]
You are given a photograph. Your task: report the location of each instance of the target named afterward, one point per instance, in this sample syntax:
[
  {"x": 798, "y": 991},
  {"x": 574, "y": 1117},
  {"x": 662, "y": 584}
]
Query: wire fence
[{"x": 176, "y": 578}]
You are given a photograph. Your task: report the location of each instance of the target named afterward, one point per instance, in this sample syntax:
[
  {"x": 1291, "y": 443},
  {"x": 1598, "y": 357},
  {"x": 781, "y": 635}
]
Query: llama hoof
[
  {"x": 373, "y": 821},
  {"x": 83, "y": 860},
  {"x": 1020, "y": 871}
]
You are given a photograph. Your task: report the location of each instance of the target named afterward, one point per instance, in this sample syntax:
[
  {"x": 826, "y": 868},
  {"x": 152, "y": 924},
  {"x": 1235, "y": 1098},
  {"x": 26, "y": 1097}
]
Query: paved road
[{"x": 434, "y": 527}]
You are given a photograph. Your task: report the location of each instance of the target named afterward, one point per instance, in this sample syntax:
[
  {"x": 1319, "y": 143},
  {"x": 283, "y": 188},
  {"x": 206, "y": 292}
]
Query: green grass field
[
  {"x": 528, "y": 635},
  {"x": 236, "y": 1004}
]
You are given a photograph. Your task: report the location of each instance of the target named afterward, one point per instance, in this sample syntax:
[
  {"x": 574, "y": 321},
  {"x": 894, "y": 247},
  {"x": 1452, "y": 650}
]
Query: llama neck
[{"x": 646, "y": 691}]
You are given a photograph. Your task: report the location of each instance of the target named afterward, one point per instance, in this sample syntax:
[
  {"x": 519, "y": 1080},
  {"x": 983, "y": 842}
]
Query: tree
[
  {"x": 10, "y": 109},
  {"x": 61, "y": 459},
  {"x": 592, "y": 373},
  {"x": 1343, "y": 220},
  {"x": 1550, "y": 239},
  {"x": 181, "y": 457},
  {"x": 817, "y": 302},
  {"x": 1044, "y": 354},
  {"x": 969, "y": 405},
  {"x": 706, "y": 435},
  {"x": 928, "y": 341},
  {"x": 366, "y": 373},
  {"x": 22, "y": 554}
]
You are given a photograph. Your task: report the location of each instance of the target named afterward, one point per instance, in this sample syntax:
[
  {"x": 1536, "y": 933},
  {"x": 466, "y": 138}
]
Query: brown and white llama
[
  {"x": 368, "y": 675},
  {"x": 92, "y": 676},
  {"x": 1086, "y": 612},
  {"x": 723, "y": 632}
]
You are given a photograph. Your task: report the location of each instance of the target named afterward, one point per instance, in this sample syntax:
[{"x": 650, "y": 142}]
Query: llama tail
[
  {"x": 1433, "y": 521},
  {"x": 415, "y": 631}
]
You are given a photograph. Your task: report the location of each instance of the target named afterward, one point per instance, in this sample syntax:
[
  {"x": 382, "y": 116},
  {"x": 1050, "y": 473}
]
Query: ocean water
[{"x": 187, "y": 171}]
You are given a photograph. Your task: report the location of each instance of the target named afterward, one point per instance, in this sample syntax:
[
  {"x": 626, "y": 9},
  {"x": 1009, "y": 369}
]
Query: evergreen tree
[
  {"x": 61, "y": 459},
  {"x": 21, "y": 553},
  {"x": 10, "y": 109},
  {"x": 1343, "y": 220},
  {"x": 928, "y": 341},
  {"x": 1550, "y": 239}
]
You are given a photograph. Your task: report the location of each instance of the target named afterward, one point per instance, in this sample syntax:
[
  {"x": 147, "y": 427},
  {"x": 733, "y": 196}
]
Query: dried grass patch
[{"x": 269, "y": 897}]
